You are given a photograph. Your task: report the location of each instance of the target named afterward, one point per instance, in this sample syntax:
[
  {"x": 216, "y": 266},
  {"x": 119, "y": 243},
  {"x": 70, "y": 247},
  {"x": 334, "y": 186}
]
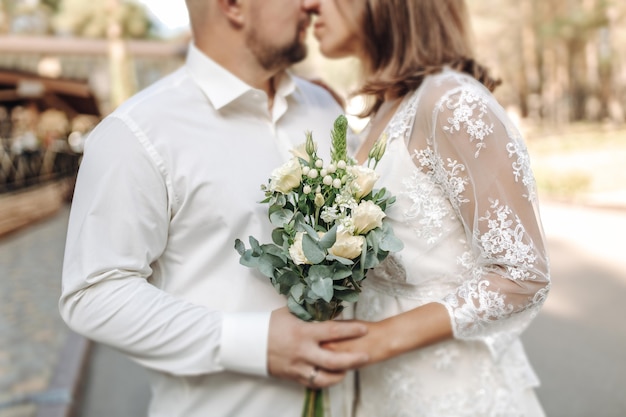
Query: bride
[{"x": 446, "y": 313}]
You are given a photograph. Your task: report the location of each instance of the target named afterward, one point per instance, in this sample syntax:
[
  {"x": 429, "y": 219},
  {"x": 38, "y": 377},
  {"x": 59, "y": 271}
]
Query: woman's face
[{"x": 336, "y": 26}]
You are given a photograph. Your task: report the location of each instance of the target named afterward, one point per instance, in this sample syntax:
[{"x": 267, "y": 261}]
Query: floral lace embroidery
[
  {"x": 446, "y": 356},
  {"x": 468, "y": 111},
  {"x": 400, "y": 124},
  {"x": 504, "y": 241},
  {"x": 426, "y": 208},
  {"x": 405, "y": 390},
  {"x": 521, "y": 168},
  {"x": 450, "y": 180}
]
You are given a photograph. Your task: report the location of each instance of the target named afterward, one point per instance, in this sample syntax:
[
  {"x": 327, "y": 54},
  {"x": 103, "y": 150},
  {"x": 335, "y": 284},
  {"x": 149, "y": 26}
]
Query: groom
[{"x": 167, "y": 183}]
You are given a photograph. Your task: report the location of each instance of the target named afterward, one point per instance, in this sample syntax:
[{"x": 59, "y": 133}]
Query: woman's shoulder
[
  {"x": 449, "y": 90},
  {"x": 450, "y": 82}
]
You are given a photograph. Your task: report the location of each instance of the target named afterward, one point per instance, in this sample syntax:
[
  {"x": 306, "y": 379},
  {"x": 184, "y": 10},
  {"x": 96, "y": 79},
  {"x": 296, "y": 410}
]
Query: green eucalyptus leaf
[
  {"x": 371, "y": 260},
  {"x": 281, "y": 217},
  {"x": 340, "y": 272},
  {"x": 310, "y": 231},
  {"x": 373, "y": 239},
  {"x": 299, "y": 221},
  {"x": 312, "y": 250},
  {"x": 297, "y": 292},
  {"x": 278, "y": 252},
  {"x": 278, "y": 236},
  {"x": 389, "y": 242},
  {"x": 329, "y": 239},
  {"x": 350, "y": 296},
  {"x": 256, "y": 247},
  {"x": 297, "y": 310},
  {"x": 268, "y": 264},
  {"x": 357, "y": 276},
  {"x": 311, "y": 297},
  {"x": 323, "y": 287},
  {"x": 344, "y": 261},
  {"x": 249, "y": 260},
  {"x": 281, "y": 200},
  {"x": 240, "y": 247},
  {"x": 288, "y": 278},
  {"x": 319, "y": 271}
]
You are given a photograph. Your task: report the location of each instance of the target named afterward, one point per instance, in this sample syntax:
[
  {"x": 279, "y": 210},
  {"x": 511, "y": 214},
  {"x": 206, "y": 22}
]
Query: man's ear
[{"x": 233, "y": 10}]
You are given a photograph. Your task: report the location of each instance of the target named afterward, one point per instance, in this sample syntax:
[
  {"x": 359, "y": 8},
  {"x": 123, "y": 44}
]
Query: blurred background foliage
[
  {"x": 82, "y": 18},
  {"x": 562, "y": 62},
  {"x": 563, "y": 67}
]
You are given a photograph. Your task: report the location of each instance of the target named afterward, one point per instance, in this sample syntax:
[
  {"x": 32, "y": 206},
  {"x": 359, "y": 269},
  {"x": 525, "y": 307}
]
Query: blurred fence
[{"x": 20, "y": 168}]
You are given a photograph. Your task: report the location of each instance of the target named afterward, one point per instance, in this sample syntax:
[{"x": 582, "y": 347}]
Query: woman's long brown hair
[{"x": 406, "y": 40}]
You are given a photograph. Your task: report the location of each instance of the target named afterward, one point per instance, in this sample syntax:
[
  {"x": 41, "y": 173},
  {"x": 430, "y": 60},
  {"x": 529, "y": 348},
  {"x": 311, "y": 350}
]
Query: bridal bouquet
[{"x": 329, "y": 230}]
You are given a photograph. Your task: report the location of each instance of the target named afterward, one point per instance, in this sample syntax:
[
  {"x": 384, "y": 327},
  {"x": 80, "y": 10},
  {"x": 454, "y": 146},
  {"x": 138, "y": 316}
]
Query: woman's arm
[{"x": 463, "y": 139}]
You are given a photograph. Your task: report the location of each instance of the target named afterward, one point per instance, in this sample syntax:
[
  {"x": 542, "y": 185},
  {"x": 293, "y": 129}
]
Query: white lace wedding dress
[{"x": 466, "y": 211}]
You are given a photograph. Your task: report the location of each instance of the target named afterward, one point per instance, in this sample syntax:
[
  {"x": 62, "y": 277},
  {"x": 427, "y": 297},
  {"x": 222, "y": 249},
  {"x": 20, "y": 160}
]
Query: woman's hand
[
  {"x": 391, "y": 337},
  {"x": 373, "y": 343}
]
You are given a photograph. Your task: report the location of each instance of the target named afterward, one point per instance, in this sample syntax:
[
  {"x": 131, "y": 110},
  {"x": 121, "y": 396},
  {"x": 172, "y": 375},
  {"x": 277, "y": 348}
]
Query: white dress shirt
[{"x": 167, "y": 183}]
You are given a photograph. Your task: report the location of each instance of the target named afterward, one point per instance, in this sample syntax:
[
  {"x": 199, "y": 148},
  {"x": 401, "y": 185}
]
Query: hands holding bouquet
[{"x": 329, "y": 230}]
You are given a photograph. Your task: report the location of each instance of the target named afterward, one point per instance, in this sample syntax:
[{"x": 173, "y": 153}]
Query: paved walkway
[{"x": 32, "y": 333}]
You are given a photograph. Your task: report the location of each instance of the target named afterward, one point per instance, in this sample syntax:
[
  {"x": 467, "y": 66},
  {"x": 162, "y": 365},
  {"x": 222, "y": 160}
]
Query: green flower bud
[
  {"x": 311, "y": 146},
  {"x": 379, "y": 148}
]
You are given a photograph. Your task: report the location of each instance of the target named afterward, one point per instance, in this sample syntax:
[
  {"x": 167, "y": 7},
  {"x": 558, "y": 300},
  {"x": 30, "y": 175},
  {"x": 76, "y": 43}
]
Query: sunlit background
[{"x": 65, "y": 64}]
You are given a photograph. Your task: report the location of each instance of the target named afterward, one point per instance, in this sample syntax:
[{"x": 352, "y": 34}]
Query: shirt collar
[{"x": 221, "y": 86}]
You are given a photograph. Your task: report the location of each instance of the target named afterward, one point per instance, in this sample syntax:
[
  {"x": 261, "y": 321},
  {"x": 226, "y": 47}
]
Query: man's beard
[{"x": 275, "y": 57}]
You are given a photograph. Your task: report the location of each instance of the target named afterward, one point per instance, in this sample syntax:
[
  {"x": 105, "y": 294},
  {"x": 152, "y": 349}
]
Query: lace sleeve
[{"x": 484, "y": 170}]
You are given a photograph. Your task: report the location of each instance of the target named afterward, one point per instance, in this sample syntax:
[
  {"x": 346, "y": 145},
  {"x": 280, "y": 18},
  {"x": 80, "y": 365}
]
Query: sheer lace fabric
[{"x": 467, "y": 213}]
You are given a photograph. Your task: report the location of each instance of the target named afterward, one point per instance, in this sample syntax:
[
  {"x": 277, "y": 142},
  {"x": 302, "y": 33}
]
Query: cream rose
[
  {"x": 347, "y": 246},
  {"x": 286, "y": 177},
  {"x": 296, "y": 252},
  {"x": 364, "y": 180},
  {"x": 367, "y": 216}
]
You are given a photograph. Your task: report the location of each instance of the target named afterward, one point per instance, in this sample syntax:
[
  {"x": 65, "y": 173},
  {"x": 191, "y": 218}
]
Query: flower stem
[{"x": 313, "y": 403}]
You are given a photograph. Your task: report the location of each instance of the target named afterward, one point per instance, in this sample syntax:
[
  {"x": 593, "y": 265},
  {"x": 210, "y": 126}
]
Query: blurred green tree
[
  {"x": 561, "y": 60},
  {"x": 93, "y": 18}
]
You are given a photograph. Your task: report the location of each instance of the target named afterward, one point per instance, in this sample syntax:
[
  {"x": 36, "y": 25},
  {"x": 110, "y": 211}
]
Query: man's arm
[{"x": 118, "y": 228}]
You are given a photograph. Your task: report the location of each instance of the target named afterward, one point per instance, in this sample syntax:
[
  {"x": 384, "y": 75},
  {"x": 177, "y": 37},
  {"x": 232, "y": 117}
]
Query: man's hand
[{"x": 295, "y": 349}]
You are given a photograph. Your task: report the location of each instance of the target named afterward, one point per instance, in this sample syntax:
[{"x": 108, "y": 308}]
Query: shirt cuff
[{"x": 244, "y": 342}]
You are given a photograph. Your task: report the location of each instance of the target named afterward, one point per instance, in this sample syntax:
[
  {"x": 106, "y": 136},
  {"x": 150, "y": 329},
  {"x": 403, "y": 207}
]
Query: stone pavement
[{"x": 33, "y": 336}]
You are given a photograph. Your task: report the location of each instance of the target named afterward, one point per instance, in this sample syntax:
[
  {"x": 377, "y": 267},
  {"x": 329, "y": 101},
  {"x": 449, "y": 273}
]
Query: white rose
[
  {"x": 286, "y": 177},
  {"x": 296, "y": 252},
  {"x": 367, "y": 216},
  {"x": 347, "y": 246},
  {"x": 363, "y": 180}
]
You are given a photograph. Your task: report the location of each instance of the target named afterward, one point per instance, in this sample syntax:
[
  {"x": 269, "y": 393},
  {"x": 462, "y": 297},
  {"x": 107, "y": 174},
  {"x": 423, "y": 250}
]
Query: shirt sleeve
[
  {"x": 118, "y": 228},
  {"x": 478, "y": 158}
]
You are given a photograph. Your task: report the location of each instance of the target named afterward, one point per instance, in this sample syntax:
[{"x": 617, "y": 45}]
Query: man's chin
[{"x": 300, "y": 54}]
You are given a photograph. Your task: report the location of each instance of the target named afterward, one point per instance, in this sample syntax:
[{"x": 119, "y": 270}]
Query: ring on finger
[{"x": 313, "y": 375}]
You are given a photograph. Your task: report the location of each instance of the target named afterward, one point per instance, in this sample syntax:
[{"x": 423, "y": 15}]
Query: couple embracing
[{"x": 171, "y": 179}]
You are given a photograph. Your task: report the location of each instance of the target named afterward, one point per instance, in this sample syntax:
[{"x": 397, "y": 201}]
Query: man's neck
[{"x": 244, "y": 66}]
